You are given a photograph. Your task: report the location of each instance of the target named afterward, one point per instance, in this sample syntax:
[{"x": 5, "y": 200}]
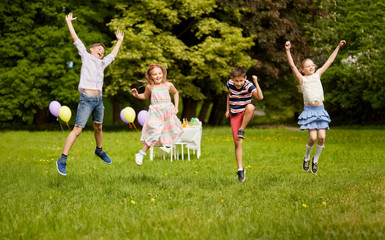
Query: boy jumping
[
  {"x": 240, "y": 110},
  {"x": 90, "y": 88}
]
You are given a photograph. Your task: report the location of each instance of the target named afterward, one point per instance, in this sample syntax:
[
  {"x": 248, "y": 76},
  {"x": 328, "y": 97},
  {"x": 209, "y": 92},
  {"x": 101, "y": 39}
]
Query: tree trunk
[
  {"x": 41, "y": 116},
  {"x": 189, "y": 108},
  {"x": 116, "y": 112},
  {"x": 218, "y": 111},
  {"x": 205, "y": 108}
]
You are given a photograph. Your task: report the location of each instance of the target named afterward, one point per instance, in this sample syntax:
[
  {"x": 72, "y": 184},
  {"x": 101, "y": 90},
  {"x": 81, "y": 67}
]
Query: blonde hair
[
  {"x": 303, "y": 63},
  {"x": 148, "y": 79}
]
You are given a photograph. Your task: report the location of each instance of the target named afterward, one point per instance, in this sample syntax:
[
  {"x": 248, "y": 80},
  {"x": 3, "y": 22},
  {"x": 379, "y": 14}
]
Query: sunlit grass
[{"x": 197, "y": 199}]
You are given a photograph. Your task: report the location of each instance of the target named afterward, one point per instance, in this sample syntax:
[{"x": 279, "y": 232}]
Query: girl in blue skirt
[{"x": 314, "y": 117}]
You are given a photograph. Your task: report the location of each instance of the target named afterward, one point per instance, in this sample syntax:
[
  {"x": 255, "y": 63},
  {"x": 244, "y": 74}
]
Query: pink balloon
[
  {"x": 142, "y": 117},
  {"x": 54, "y": 108},
  {"x": 122, "y": 117}
]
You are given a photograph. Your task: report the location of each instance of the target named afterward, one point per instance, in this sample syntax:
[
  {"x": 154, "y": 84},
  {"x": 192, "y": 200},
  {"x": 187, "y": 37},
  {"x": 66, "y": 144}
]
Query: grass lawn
[{"x": 197, "y": 199}]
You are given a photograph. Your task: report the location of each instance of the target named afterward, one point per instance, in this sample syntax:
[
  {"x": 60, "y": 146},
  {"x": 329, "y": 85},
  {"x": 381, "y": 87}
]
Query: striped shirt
[{"x": 239, "y": 98}]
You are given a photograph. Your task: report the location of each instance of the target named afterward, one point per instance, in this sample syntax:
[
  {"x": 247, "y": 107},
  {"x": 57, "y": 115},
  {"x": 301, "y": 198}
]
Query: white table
[{"x": 190, "y": 138}]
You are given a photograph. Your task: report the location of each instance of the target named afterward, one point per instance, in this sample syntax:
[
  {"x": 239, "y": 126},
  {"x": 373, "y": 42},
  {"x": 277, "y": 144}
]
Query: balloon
[
  {"x": 142, "y": 117},
  {"x": 122, "y": 117},
  {"x": 129, "y": 114},
  {"x": 54, "y": 108},
  {"x": 65, "y": 113}
]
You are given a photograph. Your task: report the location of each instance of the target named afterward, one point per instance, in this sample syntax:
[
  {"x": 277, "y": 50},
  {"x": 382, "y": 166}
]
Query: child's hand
[
  {"x": 134, "y": 92},
  {"x": 287, "y": 45},
  {"x": 176, "y": 110},
  {"x": 70, "y": 18},
  {"x": 255, "y": 78},
  {"x": 119, "y": 35},
  {"x": 342, "y": 43},
  {"x": 227, "y": 114}
]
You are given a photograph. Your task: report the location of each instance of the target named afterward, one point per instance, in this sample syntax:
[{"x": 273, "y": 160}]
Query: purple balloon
[
  {"x": 122, "y": 117},
  {"x": 142, "y": 117},
  {"x": 54, "y": 108}
]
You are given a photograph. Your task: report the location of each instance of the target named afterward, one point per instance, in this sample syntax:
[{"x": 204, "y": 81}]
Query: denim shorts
[{"x": 89, "y": 104}]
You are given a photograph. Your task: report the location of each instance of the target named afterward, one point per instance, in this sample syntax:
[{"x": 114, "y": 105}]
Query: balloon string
[
  {"x": 61, "y": 126},
  {"x": 130, "y": 125},
  {"x": 134, "y": 126},
  {"x": 75, "y": 145}
]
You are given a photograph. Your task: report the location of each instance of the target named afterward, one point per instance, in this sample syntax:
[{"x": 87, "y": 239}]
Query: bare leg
[
  {"x": 74, "y": 134},
  {"x": 98, "y": 134},
  {"x": 238, "y": 152},
  {"x": 249, "y": 113},
  {"x": 145, "y": 147},
  {"x": 312, "y": 137},
  {"x": 321, "y": 136}
]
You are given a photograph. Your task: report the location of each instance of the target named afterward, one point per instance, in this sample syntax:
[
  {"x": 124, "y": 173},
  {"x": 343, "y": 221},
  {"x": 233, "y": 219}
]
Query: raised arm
[
  {"x": 119, "y": 35},
  {"x": 295, "y": 70},
  {"x": 257, "y": 94},
  {"x": 69, "y": 20},
  {"x": 142, "y": 96},
  {"x": 330, "y": 60}
]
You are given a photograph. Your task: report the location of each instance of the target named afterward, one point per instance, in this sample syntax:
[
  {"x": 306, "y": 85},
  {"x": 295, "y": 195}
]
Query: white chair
[
  {"x": 182, "y": 145},
  {"x": 160, "y": 151}
]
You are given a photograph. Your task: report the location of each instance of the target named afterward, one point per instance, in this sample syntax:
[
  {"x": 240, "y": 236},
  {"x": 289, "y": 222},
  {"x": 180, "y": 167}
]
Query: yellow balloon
[
  {"x": 65, "y": 113},
  {"x": 129, "y": 114}
]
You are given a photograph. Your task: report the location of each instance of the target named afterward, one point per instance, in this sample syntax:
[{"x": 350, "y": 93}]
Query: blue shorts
[{"x": 89, "y": 104}]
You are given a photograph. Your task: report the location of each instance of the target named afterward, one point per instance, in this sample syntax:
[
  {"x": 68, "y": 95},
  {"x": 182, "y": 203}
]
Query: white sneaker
[
  {"x": 166, "y": 149},
  {"x": 139, "y": 159}
]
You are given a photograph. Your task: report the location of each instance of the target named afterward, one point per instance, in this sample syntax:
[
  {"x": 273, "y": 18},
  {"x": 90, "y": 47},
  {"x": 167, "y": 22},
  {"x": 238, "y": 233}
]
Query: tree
[
  {"x": 271, "y": 24},
  {"x": 35, "y": 48},
  {"x": 198, "y": 49},
  {"x": 354, "y": 85}
]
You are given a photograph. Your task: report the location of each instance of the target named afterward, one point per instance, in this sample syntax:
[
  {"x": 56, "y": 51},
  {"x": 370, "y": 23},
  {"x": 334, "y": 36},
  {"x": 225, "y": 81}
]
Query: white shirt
[
  {"x": 92, "y": 71},
  {"x": 312, "y": 89}
]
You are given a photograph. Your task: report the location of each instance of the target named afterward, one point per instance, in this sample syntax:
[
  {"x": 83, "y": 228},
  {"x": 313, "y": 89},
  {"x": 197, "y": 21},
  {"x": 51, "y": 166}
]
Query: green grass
[{"x": 200, "y": 199}]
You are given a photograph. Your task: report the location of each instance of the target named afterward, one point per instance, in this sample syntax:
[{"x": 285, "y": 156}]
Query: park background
[{"x": 199, "y": 42}]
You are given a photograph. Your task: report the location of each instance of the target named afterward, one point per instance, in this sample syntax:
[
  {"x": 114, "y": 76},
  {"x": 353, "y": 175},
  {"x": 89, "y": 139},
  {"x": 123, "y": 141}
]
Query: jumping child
[
  {"x": 90, "y": 88},
  {"x": 314, "y": 116},
  {"x": 162, "y": 127},
  {"x": 240, "y": 110}
]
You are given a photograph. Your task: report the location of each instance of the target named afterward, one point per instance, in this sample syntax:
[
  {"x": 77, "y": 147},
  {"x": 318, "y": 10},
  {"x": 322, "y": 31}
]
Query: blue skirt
[{"x": 314, "y": 118}]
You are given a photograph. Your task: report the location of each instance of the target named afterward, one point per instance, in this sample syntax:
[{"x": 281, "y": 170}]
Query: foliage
[
  {"x": 35, "y": 48},
  {"x": 197, "y": 199},
  {"x": 199, "y": 42},
  {"x": 354, "y": 85},
  {"x": 272, "y": 23},
  {"x": 198, "y": 49}
]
